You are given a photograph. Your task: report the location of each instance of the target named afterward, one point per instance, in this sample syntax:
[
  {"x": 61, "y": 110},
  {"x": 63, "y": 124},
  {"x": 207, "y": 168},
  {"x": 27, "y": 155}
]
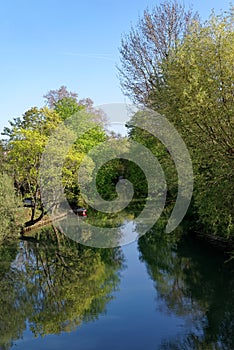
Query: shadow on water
[{"x": 195, "y": 283}]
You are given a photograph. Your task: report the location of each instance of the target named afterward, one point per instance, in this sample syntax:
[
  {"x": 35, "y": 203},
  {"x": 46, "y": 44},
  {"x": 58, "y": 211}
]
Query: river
[{"x": 156, "y": 293}]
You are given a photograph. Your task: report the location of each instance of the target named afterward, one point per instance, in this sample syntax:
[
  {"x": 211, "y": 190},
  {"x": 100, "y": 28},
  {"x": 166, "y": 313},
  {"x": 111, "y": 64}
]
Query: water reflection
[
  {"x": 54, "y": 285},
  {"x": 196, "y": 284}
]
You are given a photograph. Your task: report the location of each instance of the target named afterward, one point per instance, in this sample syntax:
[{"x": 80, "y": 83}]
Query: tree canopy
[{"x": 28, "y": 136}]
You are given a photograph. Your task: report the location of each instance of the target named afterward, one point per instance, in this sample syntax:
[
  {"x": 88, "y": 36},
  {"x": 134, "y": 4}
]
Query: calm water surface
[{"x": 153, "y": 294}]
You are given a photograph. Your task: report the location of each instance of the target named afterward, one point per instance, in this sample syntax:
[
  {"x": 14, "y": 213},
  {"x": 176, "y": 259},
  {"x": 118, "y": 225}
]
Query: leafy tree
[
  {"x": 53, "y": 96},
  {"x": 158, "y": 150},
  {"x": 2, "y": 154},
  {"x": 191, "y": 83},
  {"x": 66, "y": 107},
  {"x": 10, "y": 209},
  {"x": 67, "y": 103},
  {"x": 27, "y": 140},
  {"x": 200, "y": 102},
  {"x": 28, "y": 136}
]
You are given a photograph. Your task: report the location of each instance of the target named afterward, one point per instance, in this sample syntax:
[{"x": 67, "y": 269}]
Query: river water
[{"x": 157, "y": 293}]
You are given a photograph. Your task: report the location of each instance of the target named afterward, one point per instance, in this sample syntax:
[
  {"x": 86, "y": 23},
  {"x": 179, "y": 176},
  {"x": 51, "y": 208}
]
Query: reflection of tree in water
[
  {"x": 97, "y": 230},
  {"x": 194, "y": 284},
  {"x": 56, "y": 284},
  {"x": 12, "y": 308}
]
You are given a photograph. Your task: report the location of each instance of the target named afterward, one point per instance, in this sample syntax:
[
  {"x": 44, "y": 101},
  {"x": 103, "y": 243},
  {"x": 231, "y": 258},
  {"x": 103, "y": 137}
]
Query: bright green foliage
[
  {"x": 200, "y": 103},
  {"x": 44, "y": 120},
  {"x": 27, "y": 140},
  {"x": 28, "y": 137},
  {"x": 195, "y": 93},
  {"x": 66, "y": 107}
]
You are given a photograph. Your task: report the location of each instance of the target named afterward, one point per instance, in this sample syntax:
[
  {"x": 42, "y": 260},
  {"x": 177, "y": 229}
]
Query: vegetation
[
  {"x": 175, "y": 65},
  {"x": 182, "y": 69},
  {"x": 10, "y": 209},
  {"x": 28, "y": 136}
]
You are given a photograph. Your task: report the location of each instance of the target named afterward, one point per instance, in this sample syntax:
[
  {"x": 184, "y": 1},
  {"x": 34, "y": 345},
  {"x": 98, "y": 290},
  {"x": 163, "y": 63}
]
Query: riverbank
[{"x": 42, "y": 223}]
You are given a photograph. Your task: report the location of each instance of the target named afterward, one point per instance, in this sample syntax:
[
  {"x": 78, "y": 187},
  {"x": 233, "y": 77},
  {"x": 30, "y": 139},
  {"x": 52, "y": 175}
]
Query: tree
[
  {"x": 200, "y": 100},
  {"x": 53, "y": 96},
  {"x": 67, "y": 103},
  {"x": 27, "y": 140},
  {"x": 10, "y": 209},
  {"x": 66, "y": 107},
  {"x": 148, "y": 44},
  {"x": 188, "y": 77},
  {"x": 29, "y": 135}
]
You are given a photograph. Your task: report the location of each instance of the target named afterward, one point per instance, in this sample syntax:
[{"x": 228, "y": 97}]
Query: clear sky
[{"x": 49, "y": 43}]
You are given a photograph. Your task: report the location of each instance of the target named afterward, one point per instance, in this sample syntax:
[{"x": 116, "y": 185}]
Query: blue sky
[{"x": 49, "y": 43}]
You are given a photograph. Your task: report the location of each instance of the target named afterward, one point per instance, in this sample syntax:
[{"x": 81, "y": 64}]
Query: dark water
[{"x": 154, "y": 294}]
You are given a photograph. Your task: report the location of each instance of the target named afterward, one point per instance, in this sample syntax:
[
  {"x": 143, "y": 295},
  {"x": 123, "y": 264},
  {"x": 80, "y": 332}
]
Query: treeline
[{"x": 182, "y": 68}]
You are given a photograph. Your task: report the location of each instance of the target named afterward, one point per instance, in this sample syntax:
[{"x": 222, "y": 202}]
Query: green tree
[
  {"x": 200, "y": 102},
  {"x": 67, "y": 103},
  {"x": 26, "y": 143},
  {"x": 66, "y": 107},
  {"x": 53, "y": 96},
  {"x": 29, "y": 135},
  {"x": 10, "y": 209},
  {"x": 191, "y": 83}
]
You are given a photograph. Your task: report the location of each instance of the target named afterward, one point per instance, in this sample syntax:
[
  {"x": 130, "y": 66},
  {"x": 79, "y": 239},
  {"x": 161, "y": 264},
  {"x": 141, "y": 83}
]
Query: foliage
[
  {"x": 66, "y": 107},
  {"x": 27, "y": 140},
  {"x": 188, "y": 78},
  {"x": 200, "y": 103},
  {"x": 53, "y": 96},
  {"x": 29, "y": 135},
  {"x": 10, "y": 209},
  {"x": 66, "y": 103}
]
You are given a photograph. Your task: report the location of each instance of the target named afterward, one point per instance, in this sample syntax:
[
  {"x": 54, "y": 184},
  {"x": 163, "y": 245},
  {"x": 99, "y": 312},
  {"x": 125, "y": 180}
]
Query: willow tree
[
  {"x": 200, "y": 101},
  {"x": 184, "y": 70}
]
